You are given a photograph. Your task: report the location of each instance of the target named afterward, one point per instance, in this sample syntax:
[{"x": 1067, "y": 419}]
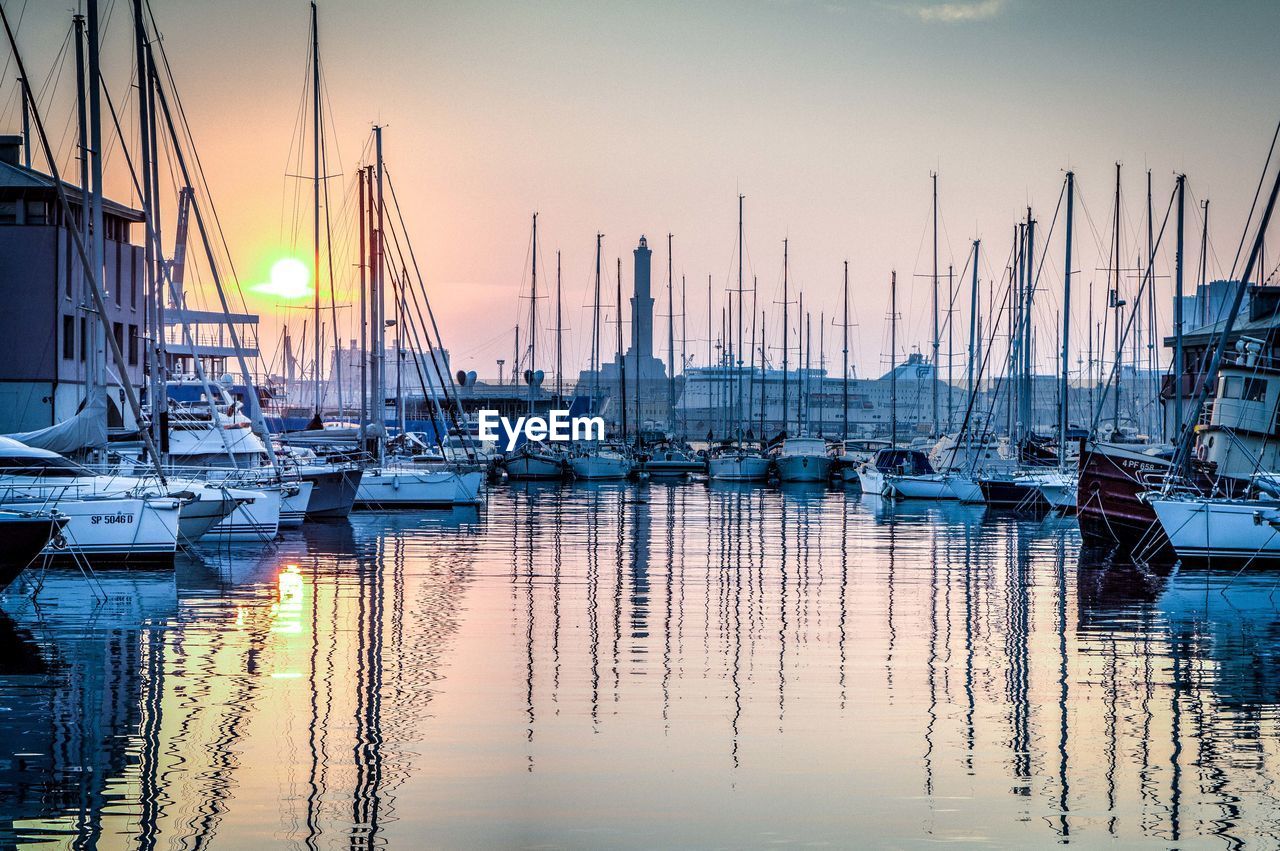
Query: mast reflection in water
[{"x": 666, "y": 664}]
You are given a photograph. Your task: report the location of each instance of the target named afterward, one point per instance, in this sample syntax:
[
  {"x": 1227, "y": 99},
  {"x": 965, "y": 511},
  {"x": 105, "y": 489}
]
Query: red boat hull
[{"x": 1107, "y": 504}]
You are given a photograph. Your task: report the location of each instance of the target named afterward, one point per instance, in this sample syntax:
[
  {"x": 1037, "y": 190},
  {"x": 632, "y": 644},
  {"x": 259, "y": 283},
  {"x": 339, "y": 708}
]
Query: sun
[{"x": 290, "y": 279}]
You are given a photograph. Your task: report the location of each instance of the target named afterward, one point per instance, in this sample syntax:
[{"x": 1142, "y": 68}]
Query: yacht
[
  {"x": 111, "y": 518},
  {"x": 875, "y": 475},
  {"x": 533, "y": 460},
  {"x": 803, "y": 459},
  {"x": 25, "y": 535},
  {"x": 671, "y": 459},
  {"x": 737, "y": 463},
  {"x": 606, "y": 461}
]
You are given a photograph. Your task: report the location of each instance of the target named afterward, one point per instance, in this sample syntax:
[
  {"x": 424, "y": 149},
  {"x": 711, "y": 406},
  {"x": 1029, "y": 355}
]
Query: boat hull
[
  {"x": 391, "y": 488},
  {"x": 293, "y": 503},
  {"x": 738, "y": 468},
  {"x": 1109, "y": 510},
  {"x": 533, "y": 467},
  {"x": 1012, "y": 493},
  {"x": 935, "y": 486},
  {"x": 1220, "y": 530},
  {"x": 603, "y": 466},
  {"x": 256, "y": 519},
  {"x": 966, "y": 489},
  {"x": 24, "y": 536},
  {"x": 333, "y": 491},
  {"x": 201, "y": 514},
  {"x": 872, "y": 480},
  {"x": 114, "y": 531},
  {"x": 803, "y": 468}
]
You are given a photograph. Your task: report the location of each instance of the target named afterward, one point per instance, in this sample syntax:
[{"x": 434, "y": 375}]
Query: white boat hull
[
  {"x": 804, "y": 468},
  {"x": 872, "y": 480},
  {"x": 1209, "y": 529},
  {"x": 966, "y": 489},
  {"x": 114, "y": 529},
  {"x": 199, "y": 515},
  {"x": 739, "y": 468},
  {"x": 601, "y": 466},
  {"x": 1059, "y": 490},
  {"x": 533, "y": 467},
  {"x": 256, "y": 520},
  {"x": 393, "y": 488},
  {"x": 933, "y": 486},
  {"x": 293, "y": 504}
]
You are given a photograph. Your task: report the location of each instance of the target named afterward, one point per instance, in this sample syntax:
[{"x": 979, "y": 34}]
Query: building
[{"x": 50, "y": 326}]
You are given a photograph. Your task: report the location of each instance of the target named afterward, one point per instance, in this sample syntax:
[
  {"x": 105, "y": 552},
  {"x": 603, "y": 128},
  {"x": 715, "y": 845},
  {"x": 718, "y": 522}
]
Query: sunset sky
[{"x": 649, "y": 118}]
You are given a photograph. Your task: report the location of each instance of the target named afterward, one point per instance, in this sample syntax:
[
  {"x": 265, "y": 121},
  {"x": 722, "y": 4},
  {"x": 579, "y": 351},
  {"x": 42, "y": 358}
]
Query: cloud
[{"x": 961, "y": 12}]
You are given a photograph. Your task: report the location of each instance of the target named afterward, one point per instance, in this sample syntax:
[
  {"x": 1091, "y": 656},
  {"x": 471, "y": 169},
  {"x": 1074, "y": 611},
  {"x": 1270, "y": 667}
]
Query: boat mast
[
  {"x": 1064, "y": 386},
  {"x": 364, "y": 304},
  {"x": 559, "y": 340},
  {"x": 737, "y": 396},
  {"x": 533, "y": 314},
  {"x": 893, "y": 358},
  {"x": 595, "y": 332},
  {"x": 671, "y": 339},
  {"x": 315, "y": 187},
  {"x": 975, "y": 298},
  {"x": 934, "y": 422},
  {"x": 844, "y": 372},
  {"x": 751, "y": 360},
  {"x": 785, "y": 335},
  {"x": 1204, "y": 265},
  {"x": 1118, "y": 304},
  {"x": 1177, "y": 311},
  {"x": 800, "y": 378},
  {"x": 950, "y": 343},
  {"x": 622, "y": 360},
  {"x": 764, "y": 385},
  {"x": 379, "y": 325},
  {"x": 156, "y": 385},
  {"x": 1027, "y": 401}
]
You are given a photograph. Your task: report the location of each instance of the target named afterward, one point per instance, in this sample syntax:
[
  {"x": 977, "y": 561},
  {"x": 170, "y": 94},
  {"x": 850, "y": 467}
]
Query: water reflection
[{"x": 645, "y": 665}]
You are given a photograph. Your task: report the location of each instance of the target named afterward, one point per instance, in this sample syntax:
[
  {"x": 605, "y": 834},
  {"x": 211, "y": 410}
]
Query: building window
[
  {"x": 116, "y": 283},
  {"x": 8, "y": 212},
  {"x": 1231, "y": 386},
  {"x": 84, "y": 337},
  {"x": 1255, "y": 390},
  {"x": 133, "y": 345},
  {"x": 67, "y": 266},
  {"x": 133, "y": 279},
  {"x": 37, "y": 213},
  {"x": 68, "y": 338},
  {"x": 117, "y": 331}
]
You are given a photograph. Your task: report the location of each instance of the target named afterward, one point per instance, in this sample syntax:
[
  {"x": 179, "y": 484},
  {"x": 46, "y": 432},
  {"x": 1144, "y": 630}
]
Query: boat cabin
[{"x": 903, "y": 462}]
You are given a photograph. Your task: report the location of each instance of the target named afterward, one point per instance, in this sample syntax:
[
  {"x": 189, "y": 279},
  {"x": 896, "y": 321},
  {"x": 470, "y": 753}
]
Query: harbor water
[{"x": 644, "y": 665}]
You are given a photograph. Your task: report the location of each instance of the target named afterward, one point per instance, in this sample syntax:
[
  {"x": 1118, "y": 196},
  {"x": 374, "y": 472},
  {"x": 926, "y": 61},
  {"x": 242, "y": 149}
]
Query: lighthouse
[{"x": 642, "y": 305}]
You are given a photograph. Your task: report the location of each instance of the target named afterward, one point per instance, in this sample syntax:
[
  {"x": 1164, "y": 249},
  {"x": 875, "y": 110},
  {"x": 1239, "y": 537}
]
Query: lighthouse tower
[{"x": 642, "y": 306}]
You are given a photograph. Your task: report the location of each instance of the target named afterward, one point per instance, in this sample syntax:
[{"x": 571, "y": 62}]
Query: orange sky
[{"x": 650, "y": 118}]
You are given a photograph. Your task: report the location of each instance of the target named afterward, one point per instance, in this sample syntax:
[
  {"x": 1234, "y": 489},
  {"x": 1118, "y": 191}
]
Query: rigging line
[
  {"x": 1253, "y": 207},
  {"x": 200, "y": 172},
  {"x": 1147, "y": 278}
]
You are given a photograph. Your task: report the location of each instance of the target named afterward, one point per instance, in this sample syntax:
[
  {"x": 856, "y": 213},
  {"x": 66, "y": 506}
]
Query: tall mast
[
  {"x": 751, "y": 394},
  {"x": 800, "y": 376},
  {"x": 785, "y": 335},
  {"x": 622, "y": 359},
  {"x": 533, "y": 313},
  {"x": 1117, "y": 303},
  {"x": 1028, "y": 344},
  {"x": 737, "y": 396},
  {"x": 975, "y": 298},
  {"x": 595, "y": 332},
  {"x": 559, "y": 340},
  {"x": 671, "y": 339},
  {"x": 82, "y": 120},
  {"x": 1063, "y": 386},
  {"x": 315, "y": 185},
  {"x": 1151, "y": 305},
  {"x": 1177, "y": 312},
  {"x": 364, "y": 303},
  {"x": 98, "y": 235},
  {"x": 377, "y": 258},
  {"x": 684, "y": 336},
  {"x": 893, "y": 358},
  {"x": 764, "y": 384},
  {"x": 154, "y": 300},
  {"x": 1204, "y": 265},
  {"x": 934, "y": 423},
  {"x": 844, "y": 371},
  {"x": 950, "y": 342}
]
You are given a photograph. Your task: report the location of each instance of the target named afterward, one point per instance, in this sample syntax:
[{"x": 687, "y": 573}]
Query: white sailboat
[{"x": 1227, "y": 529}]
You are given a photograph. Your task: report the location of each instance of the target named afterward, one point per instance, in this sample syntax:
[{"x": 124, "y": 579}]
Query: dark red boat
[{"x": 1111, "y": 477}]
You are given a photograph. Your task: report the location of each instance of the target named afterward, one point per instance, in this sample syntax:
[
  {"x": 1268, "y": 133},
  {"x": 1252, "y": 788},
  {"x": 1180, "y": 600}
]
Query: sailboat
[
  {"x": 533, "y": 459},
  {"x": 735, "y": 460},
  {"x": 672, "y": 456},
  {"x": 607, "y": 459},
  {"x": 390, "y": 482}
]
